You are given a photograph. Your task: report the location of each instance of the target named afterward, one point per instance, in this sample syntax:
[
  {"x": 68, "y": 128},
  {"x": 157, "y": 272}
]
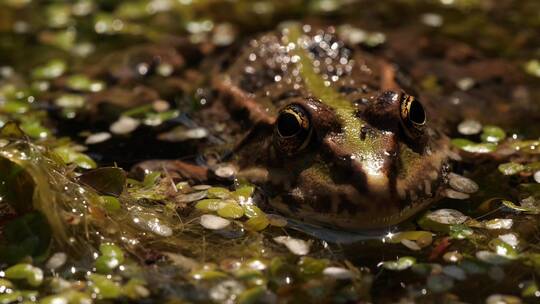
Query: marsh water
[{"x": 91, "y": 89}]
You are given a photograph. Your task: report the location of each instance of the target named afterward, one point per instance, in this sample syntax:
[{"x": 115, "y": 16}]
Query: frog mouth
[{"x": 423, "y": 187}]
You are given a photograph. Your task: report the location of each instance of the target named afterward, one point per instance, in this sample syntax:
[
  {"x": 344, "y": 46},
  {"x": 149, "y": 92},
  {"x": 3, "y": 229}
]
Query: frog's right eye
[
  {"x": 292, "y": 130},
  {"x": 413, "y": 116}
]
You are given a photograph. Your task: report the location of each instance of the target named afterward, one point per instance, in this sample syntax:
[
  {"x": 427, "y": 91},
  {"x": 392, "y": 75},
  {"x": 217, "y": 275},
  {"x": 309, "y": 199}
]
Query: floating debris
[
  {"x": 351, "y": 34},
  {"x": 400, "y": 264},
  {"x": 277, "y": 220},
  {"x": 492, "y": 134},
  {"x": 503, "y": 299},
  {"x": 414, "y": 240},
  {"x": 491, "y": 257},
  {"x": 472, "y": 147},
  {"x": 469, "y": 127},
  {"x": 56, "y": 261},
  {"x": 257, "y": 222},
  {"x": 152, "y": 223},
  {"x": 529, "y": 205},
  {"x": 230, "y": 209},
  {"x": 448, "y": 216},
  {"x": 124, "y": 125},
  {"x": 466, "y": 83},
  {"x": 439, "y": 283},
  {"x": 83, "y": 83},
  {"x": 226, "y": 291},
  {"x": 533, "y": 67},
  {"x": 111, "y": 257},
  {"x": 511, "y": 168},
  {"x": 498, "y": 224},
  {"x": 453, "y": 256},
  {"x": 510, "y": 239},
  {"x": 462, "y": 184},
  {"x": 201, "y": 187},
  {"x": 52, "y": 69},
  {"x": 454, "y": 272},
  {"x": 226, "y": 171},
  {"x": 296, "y": 246},
  {"x": 191, "y": 197},
  {"x": 224, "y": 34},
  {"x": 453, "y": 194},
  {"x": 182, "y": 133},
  {"x": 160, "y": 105},
  {"x": 213, "y": 222},
  {"x": 97, "y": 138},
  {"x": 432, "y": 19},
  {"x": 338, "y": 273},
  {"x": 27, "y": 272},
  {"x": 71, "y": 101}
]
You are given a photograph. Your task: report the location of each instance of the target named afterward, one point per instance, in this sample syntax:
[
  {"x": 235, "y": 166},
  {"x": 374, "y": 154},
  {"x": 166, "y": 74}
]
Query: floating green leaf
[
  {"x": 472, "y": 147},
  {"x": 32, "y": 275},
  {"x": 492, "y": 134}
]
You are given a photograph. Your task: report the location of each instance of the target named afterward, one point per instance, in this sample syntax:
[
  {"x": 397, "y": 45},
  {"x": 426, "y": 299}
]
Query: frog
[{"x": 331, "y": 135}]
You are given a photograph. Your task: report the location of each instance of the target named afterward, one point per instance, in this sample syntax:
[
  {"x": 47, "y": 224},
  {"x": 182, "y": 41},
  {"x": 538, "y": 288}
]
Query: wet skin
[
  {"x": 329, "y": 133},
  {"x": 334, "y": 139}
]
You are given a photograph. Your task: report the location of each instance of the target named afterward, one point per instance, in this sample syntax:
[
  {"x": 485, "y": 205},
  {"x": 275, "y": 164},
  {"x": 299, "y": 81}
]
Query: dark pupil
[
  {"x": 287, "y": 125},
  {"x": 416, "y": 113}
]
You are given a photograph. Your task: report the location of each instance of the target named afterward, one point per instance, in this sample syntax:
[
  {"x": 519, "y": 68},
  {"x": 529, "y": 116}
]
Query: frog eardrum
[
  {"x": 292, "y": 130},
  {"x": 413, "y": 116}
]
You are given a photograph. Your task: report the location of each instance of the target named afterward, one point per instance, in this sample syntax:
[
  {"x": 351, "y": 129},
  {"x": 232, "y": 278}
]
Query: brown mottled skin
[
  {"x": 363, "y": 163},
  {"x": 323, "y": 183}
]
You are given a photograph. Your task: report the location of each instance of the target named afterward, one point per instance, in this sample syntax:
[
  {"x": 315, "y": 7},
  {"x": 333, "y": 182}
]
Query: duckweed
[
  {"x": 71, "y": 156},
  {"x": 251, "y": 296},
  {"x": 492, "y": 134},
  {"x": 472, "y": 147},
  {"x": 148, "y": 219},
  {"x": 257, "y": 223},
  {"x": 218, "y": 192},
  {"x": 111, "y": 203},
  {"x": 83, "y": 83},
  {"x": 104, "y": 287},
  {"x": 52, "y": 69},
  {"x": 71, "y": 297},
  {"x": 231, "y": 210},
  {"x": 111, "y": 257},
  {"x": 209, "y": 204},
  {"x": 32, "y": 275}
]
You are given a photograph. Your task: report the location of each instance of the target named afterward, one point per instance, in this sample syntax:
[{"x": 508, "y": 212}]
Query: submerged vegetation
[{"x": 90, "y": 88}]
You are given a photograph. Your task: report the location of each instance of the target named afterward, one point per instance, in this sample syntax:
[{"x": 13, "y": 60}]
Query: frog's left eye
[
  {"x": 292, "y": 130},
  {"x": 413, "y": 115}
]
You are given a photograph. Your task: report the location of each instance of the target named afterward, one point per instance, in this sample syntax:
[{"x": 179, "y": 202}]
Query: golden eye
[
  {"x": 413, "y": 116},
  {"x": 292, "y": 130}
]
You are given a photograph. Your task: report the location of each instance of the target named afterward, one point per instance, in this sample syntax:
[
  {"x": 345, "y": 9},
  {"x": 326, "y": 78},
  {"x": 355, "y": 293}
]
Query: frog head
[{"x": 345, "y": 153}]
